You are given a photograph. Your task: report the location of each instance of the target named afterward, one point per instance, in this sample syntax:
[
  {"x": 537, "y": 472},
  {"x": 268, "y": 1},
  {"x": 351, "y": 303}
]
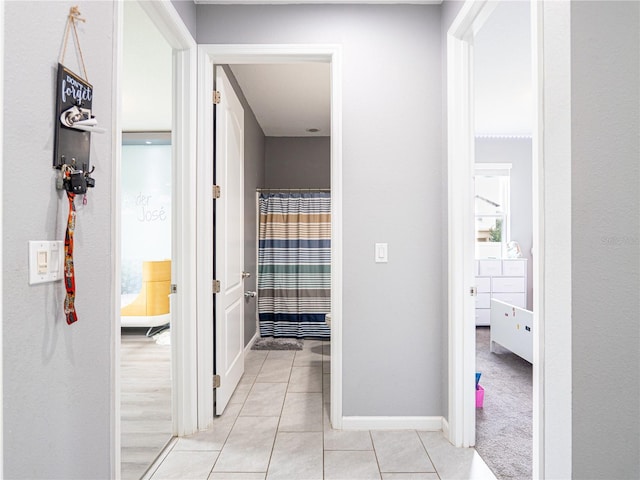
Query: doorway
[
  {"x": 218, "y": 55},
  {"x": 462, "y": 338},
  {"x": 181, "y": 76},
  {"x": 146, "y": 252},
  {"x": 503, "y": 181}
]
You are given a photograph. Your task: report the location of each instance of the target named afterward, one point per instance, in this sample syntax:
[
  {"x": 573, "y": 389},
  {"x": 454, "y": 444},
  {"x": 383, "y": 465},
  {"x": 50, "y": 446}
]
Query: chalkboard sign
[{"x": 72, "y": 145}]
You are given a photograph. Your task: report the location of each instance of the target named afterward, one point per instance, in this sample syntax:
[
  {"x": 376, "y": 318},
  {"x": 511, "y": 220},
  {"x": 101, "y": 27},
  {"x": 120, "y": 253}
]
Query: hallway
[{"x": 277, "y": 427}]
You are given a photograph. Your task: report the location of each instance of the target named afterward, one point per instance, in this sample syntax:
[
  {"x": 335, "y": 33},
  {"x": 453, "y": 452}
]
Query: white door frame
[
  {"x": 1, "y": 237},
  {"x": 462, "y": 412},
  {"x": 210, "y": 55},
  {"x": 183, "y": 327}
]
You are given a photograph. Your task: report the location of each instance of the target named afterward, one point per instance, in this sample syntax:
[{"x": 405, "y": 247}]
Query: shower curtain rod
[{"x": 328, "y": 190}]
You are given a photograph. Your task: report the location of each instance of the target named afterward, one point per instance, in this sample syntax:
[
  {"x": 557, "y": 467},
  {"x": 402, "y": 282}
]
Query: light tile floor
[{"x": 276, "y": 426}]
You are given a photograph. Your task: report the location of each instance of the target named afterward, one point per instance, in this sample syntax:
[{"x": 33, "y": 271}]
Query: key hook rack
[{"x": 74, "y": 119}]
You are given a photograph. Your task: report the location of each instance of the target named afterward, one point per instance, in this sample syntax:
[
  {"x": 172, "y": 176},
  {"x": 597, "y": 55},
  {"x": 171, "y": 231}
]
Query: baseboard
[
  {"x": 431, "y": 424},
  {"x": 250, "y": 344},
  {"x": 445, "y": 428}
]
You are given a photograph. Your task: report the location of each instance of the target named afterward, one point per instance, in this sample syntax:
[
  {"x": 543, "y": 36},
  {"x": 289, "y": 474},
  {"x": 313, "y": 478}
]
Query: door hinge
[
  {"x": 215, "y": 191},
  {"x": 215, "y": 286},
  {"x": 473, "y": 291},
  {"x": 216, "y": 381},
  {"x": 216, "y": 97},
  {"x": 174, "y": 288}
]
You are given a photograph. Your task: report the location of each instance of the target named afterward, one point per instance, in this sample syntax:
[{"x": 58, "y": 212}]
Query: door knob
[
  {"x": 246, "y": 274},
  {"x": 249, "y": 294}
]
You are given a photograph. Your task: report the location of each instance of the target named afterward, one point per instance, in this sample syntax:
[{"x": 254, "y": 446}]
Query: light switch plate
[
  {"x": 382, "y": 253},
  {"x": 46, "y": 260}
]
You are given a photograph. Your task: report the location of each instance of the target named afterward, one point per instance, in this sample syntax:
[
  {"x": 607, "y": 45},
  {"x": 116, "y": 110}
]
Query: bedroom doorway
[
  {"x": 146, "y": 225},
  {"x": 503, "y": 239},
  {"x": 172, "y": 204},
  {"x": 462, "y": 233}
]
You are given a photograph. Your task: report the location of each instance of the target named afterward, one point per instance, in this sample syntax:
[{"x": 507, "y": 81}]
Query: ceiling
[
  {"x": 146, "y": 74},
  {"x": 503, "y": 75},
  {"x": 288, "y": 99}
]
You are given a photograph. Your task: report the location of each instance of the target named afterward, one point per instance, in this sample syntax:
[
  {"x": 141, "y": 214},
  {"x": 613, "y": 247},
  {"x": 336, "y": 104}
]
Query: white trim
[
  {"x": 335, "y": 414},
  {"x": 426, "y": 424},
  {"x": 204, "y": 240},
  {"x": 184, "y": 406},
  {"x": 460, "y": 213},
  {"x": 183, "y": 267},
  {"x": 537, "y": 149},
  {"x": 552, "y": 371},
  {"x": 445, "y": 428},
  {"x": 168, "y": 21},
  {"x": 1, "y": 236},
  {"x": 116, "y": 122},
  {"x": 249, "y": 54}
]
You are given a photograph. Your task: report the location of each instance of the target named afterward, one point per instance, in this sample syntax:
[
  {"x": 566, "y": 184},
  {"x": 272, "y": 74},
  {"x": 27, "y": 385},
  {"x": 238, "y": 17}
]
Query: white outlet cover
[{"x": 46, "y": 261}]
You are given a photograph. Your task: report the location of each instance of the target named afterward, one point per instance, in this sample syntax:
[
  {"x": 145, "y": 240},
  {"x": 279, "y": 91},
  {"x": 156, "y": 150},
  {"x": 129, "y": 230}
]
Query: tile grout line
[
  {"x": 236, "y": 419},
  {"x": 375, "y": 454},
  {"x": 428, "y": 455},
  {"x": 275, "y": 437}
]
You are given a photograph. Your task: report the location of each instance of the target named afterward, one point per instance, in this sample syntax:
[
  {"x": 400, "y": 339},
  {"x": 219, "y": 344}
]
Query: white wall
[
  {"x": 605, "y": 181},
  {"x": 393, "y": 313},
  {"x": 57, "y": 378},
  {"x": 297, "y": 162}
]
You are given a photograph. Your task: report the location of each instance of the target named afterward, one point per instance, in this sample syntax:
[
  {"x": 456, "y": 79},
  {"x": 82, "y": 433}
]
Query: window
[{"x": 492, "y": 184}]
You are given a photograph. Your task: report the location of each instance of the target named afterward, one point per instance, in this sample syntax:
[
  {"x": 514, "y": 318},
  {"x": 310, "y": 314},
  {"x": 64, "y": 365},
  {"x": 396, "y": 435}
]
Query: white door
[{"x": 229, "y": 241}]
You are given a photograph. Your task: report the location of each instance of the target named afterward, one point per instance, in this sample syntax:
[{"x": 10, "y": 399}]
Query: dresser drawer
[
  {"x": 483, "y": 284},
  {"x": 490, "y": 268},
  {"x": 513, "y": 268},
  {"x": 483, "y": 300},
  {"x": 507, "y": 284},
  {"x": 483, "y": 316},
  {"x": 515, "y": 299}
]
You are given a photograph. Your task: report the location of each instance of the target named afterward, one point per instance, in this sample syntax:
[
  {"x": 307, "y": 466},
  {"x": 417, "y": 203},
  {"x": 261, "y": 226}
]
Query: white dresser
[{"x": 504, "y": 280}]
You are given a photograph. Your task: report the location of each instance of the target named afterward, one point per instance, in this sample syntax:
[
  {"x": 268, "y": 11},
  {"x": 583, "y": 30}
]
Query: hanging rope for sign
[{"x": 72, "y": 19}]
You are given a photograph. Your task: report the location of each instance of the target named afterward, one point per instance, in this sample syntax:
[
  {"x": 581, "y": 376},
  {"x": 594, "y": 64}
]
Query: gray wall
[
  {"x": 254, "y": 160},
  {"x": 57, "y": 378},
  {"x": 297, "y": 162},
  {"x": 605, "y": 104},
  {"x": 516, "y": 151},
  {"x": 392, "y": 159},
  {"x": 187, "y": 11}
]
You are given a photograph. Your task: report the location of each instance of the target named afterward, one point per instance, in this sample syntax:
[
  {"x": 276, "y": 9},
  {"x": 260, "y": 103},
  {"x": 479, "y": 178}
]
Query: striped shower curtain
[{"x": 294, "y": 264}]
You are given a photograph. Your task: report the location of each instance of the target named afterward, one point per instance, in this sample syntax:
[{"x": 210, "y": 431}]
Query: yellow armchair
[{"x": 153, "y": 298}]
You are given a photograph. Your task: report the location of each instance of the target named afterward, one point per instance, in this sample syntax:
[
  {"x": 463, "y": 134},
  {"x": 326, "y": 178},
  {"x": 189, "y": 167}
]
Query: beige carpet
[{"x": 504, "y": 425}]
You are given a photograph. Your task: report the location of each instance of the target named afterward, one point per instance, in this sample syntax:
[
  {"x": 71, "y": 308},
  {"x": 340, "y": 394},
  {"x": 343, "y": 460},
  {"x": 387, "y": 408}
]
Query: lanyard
[{"x": 69, "y": 275}]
